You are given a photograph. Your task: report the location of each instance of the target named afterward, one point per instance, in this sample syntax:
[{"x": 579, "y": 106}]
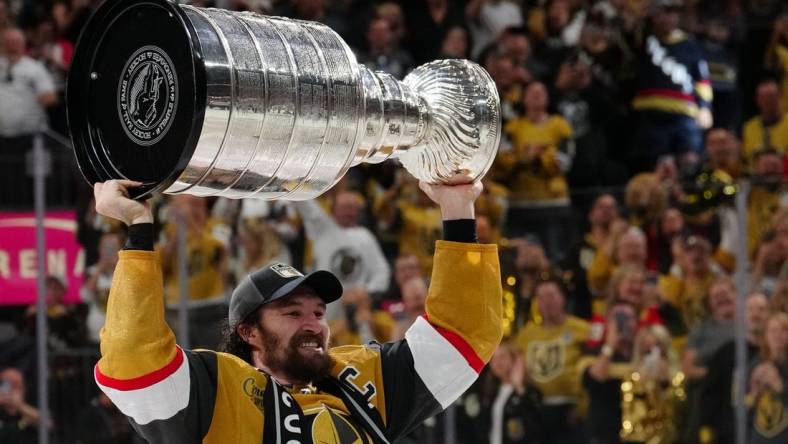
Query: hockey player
[{"x": 282, "y": 383}]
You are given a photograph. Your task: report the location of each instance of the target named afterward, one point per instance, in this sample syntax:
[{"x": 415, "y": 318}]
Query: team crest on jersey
[
  {"x": 332, "y": 427},
  {"x": 546, "y": 359},
  {"x": 770, "y": 417},
  {"x": 346, "y": 264},
  {"x": 286, "y": 271},
  {"x": 515, "y": 430}
]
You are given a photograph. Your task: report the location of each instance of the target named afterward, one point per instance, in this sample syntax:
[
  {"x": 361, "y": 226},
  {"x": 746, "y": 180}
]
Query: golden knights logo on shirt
[
  {"x": 770, "y": 417},
  {"x": 345, "y": 263},
  {"x": 546, "y": 358},
  {"x": 318, "y": 422}
]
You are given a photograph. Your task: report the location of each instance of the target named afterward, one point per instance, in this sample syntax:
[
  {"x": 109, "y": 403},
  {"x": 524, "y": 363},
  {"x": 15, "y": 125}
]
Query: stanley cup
[{"x": 216, "y": 103}]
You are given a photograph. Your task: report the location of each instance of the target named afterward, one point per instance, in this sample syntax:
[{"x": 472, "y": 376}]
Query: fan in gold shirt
[
  {"x": 552, "y": 349},
  {"x": 206, "y": 254},
  {"x": 407, "y": 212}
]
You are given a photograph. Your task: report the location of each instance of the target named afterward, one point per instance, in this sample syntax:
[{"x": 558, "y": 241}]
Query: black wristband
[
  {"x": 140, "y": 237},
  {"x": 460, "y": 230}
]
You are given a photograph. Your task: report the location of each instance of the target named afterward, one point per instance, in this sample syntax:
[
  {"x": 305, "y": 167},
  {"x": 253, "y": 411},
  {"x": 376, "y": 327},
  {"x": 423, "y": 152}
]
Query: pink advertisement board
[{"x": 18, "y": 258}]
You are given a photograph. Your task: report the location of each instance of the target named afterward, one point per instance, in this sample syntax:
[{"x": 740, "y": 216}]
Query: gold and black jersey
[
  {"x": 551, "y": 356},
  {"x": 770, "y": 413},
  {"x": 205, "y": 256},
  {"x": 377, "y": 393},
  {"x": 421, "y": 227}
]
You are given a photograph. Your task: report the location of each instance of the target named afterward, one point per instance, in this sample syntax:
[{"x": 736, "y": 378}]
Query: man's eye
[
  {"x": 293, "y": 313},
  {"x": 319, "y": 314}
]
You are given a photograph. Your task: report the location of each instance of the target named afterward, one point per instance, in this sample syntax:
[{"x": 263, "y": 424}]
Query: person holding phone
[
  {"x": 603, "y": 371},
  {"x": 18, "y": 419}
]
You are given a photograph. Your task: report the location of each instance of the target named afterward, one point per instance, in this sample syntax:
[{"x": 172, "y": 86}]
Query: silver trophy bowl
[{"x": 216, "y": 103}]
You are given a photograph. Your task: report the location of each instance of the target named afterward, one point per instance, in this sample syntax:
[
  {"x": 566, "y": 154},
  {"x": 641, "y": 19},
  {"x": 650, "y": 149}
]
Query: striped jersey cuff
[
  {"x": 444, "y": 361},
  {"x": 156, "y": 396}
]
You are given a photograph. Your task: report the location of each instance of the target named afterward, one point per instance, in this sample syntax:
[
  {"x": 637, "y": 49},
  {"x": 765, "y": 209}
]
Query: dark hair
[
  {"x": 231, "y": 342},
  {"x": 769, "y": 78},
  {"x": 551, "y": 278},
  {"x": 765, "y": 151},
  {"x": 515, "y": 30}
]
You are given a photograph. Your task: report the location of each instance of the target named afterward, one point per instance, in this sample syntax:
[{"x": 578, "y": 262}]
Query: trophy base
[{"x": 136, "y": 108}]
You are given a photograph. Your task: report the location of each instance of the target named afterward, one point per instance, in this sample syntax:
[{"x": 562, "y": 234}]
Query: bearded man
[{"x": 277, "y": 381}]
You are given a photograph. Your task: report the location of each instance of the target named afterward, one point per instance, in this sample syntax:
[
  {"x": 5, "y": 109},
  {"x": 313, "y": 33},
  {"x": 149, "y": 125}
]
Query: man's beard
[{"x": 288, "y": 361}]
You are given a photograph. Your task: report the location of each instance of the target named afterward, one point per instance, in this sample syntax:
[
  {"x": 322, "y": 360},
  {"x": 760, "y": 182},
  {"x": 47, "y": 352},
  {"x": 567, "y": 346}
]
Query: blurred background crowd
[{"x": 638, "y": 200}]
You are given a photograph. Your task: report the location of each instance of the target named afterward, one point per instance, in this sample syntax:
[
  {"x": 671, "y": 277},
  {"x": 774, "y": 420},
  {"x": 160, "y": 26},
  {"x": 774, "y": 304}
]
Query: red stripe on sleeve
[
  {"x": 461, "y": 345},
  {"x": 666, "y": 93},
  {"x": 144, "y": 380}
]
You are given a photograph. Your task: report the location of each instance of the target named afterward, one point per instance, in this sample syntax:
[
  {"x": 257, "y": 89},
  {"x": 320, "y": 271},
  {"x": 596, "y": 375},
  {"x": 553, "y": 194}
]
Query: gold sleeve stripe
[
  {"x": 667, "y": 104},
  {"x": 704, "y": 91}
]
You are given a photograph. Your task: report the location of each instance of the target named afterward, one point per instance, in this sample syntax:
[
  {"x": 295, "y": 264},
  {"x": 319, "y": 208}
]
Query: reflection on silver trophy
[{"x": 287, "y": 109}]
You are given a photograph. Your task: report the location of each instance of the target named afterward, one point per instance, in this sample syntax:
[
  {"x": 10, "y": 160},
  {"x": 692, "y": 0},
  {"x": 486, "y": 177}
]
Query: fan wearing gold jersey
[
  {"x": 552, "y": 348},
  {"x": 277, "y": 381},
  {"x": 408, "y": 213}
]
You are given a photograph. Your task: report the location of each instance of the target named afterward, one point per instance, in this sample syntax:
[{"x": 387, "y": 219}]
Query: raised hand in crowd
[
  {"x": 765, "y": 376},
  {"x": 690, "y": 367},
  {"x": 617, "y": 229}
]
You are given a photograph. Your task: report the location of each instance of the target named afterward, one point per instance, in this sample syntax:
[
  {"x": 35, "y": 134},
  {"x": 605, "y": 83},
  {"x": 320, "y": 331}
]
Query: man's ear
[{"x": 247, "y": 332}]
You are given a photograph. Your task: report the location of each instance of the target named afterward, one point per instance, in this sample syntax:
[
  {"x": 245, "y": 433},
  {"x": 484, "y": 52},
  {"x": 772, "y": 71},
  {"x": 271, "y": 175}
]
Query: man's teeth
[{"x": 310, "y": 345}]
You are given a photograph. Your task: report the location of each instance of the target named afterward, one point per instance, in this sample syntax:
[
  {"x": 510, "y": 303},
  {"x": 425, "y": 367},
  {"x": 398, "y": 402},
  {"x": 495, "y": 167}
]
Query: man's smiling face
[{"x": 293, "y": 335}]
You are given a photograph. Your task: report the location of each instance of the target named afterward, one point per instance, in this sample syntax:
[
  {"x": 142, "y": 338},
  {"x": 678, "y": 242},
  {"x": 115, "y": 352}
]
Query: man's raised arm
[
  {"x": 448, "y": 346},
  {"x": 141, "y": 369}
]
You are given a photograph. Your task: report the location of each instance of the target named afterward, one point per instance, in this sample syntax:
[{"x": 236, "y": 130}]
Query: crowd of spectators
[{"x": 630, "y": 129}]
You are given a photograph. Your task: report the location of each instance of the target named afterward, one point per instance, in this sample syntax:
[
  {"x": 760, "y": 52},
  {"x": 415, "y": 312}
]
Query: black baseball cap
[{"x": 277, "y": 281}]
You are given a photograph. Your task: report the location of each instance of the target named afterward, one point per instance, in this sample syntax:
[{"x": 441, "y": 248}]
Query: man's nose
[{"x": 311, "y": 323}]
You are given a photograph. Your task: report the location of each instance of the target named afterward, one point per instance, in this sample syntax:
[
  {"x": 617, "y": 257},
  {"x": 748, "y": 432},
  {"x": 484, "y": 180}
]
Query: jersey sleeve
[
  {"x": 444, "y": 351},
  {"x": 164, "y": 390},
  {"x": 702, "y": 80},
  {"x": 316, "y": 222}
]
